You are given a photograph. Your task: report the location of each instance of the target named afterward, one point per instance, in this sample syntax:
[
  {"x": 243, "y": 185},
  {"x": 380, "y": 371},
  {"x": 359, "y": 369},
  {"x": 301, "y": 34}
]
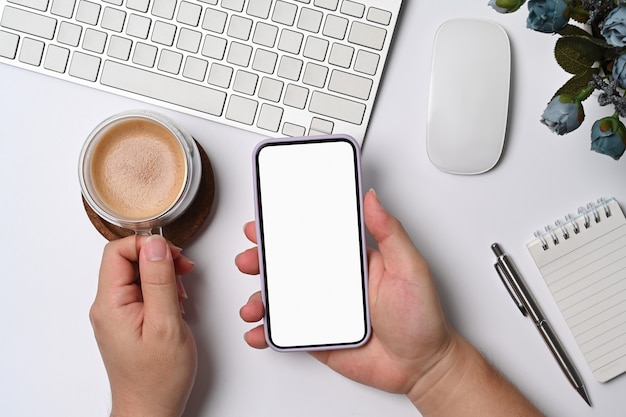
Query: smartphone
[{"x": 311, "y": 240}]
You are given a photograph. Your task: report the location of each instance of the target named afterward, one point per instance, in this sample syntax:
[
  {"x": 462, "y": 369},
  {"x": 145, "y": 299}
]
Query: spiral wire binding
[
  {"x": 588, "y": 214},
  {"x": 562, "y": 228}
]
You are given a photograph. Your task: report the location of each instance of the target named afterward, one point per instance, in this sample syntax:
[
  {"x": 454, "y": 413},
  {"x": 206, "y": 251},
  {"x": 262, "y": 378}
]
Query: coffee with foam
[{"x": 138, "y": 169}]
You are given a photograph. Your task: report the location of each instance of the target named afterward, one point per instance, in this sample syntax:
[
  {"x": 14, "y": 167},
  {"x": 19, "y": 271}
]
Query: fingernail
[
  {"x": 175, "y": 250},
  {"x": 373, "y": 191},
  {"x": 182, "y": 292},
  {"x": 156, "y": 248}
]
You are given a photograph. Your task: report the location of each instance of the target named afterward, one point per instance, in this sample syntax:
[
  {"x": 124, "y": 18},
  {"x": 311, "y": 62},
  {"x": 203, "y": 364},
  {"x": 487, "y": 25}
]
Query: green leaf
[
  {"x": 577, "y": 84},
  {"x": 573, "y": 30},
  {"x": 577, "y": 54}
]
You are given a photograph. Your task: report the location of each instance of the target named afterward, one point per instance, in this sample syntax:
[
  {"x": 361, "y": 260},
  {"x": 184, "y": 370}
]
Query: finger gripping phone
[{"x": 311, "y": 238}]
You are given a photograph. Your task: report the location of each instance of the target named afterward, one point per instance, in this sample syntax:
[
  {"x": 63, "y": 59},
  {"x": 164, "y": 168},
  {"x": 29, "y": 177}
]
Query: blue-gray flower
[
  {"x": 506, "y": 6},
  {"x": 608, "y": 137},
  {"x": 563, "y": 114},
  {"x": 547, "y": 16},
  {"x": 619, "y": 70},
  {"x": 614, "y": 27}
]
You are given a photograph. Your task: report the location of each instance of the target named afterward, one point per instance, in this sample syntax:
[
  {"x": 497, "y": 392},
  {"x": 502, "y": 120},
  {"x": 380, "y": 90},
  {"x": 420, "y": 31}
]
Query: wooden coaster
[{"x": 181, "y": 230}]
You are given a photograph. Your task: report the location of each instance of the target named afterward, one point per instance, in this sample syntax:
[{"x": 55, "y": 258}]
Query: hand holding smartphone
[{"x": 312, "y": 250}]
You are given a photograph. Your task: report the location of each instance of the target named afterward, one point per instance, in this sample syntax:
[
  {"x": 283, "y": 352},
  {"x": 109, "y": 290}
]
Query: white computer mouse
[{"x": 469, "y": 96}]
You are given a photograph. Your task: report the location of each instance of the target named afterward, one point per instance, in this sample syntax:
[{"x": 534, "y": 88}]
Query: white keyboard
[{"x": 275, "y": 67}]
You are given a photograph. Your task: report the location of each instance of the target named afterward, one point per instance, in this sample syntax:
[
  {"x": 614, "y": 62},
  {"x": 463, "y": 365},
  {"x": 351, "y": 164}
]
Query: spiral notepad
[{"x": 583, "y": 261}]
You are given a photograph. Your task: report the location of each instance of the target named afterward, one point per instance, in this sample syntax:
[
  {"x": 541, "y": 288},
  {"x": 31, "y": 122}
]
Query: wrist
[
  {"x": 462, "y": 382},
  {"x": 130, "y": 408},
  {"x": 449, "y": 379}
]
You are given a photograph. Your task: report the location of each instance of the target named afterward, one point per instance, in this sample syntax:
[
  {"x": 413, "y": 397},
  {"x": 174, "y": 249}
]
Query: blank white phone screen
[{"x": 311, "y": 244}]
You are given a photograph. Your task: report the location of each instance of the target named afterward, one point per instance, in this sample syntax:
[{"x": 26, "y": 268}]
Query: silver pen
[{"x": 527, "y": 304}]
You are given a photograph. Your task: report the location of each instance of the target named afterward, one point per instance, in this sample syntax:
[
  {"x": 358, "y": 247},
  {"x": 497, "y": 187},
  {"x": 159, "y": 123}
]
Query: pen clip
[{"x": 504, "y": 277}]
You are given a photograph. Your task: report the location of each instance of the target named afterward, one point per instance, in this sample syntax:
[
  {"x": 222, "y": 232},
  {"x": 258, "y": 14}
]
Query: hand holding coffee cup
[{"x": 140, "y": 171}]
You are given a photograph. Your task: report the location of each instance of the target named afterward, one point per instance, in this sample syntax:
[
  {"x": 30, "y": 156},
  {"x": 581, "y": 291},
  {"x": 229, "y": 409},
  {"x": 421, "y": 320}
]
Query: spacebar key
[{"x": 161, "y": 87}]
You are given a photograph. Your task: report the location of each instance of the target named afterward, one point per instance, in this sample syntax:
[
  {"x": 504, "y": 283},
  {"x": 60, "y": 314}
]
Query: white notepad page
[{"x": 586, "y": 274}]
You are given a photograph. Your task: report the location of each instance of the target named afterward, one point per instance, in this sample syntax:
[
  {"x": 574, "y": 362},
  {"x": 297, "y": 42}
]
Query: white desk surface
[{"x": 50, "y": 253}]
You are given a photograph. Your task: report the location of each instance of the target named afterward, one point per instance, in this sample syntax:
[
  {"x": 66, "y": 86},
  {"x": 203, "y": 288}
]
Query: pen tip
[{"x": 583, "y": 393}]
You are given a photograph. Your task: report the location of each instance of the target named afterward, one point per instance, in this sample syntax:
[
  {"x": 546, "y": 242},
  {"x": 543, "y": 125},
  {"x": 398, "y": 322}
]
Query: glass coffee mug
[{"x": 139, "y": 170}]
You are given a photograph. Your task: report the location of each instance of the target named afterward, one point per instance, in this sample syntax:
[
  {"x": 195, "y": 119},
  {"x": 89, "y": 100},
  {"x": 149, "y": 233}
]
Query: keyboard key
[
  {"x": 337, "y": 107},
  {"x": 296, "y": 96},
  {"x": 189, "y": 40},
  {"x": 236, "y": 5},
  {"x": 241, "y": 109},
  {"x": 119, "y": 48},
  {"x": 352, "y": 8},
  {"x": 88, "y": 12},
  {"x": 214, "y": 47},
  {"x": 164, "y": 8},
  {"x": 33, "y": 4},
  {"x": 284, "y": 13},
  {"x": 161, "y": 87},
  {"x": 239, "y": 27},
  {"x": 335, "y": 27},
  {"x": 138, "y": 26},
  {"x": 367, "y": 35},
  {"x": 310, "y": 20},
  {"x": 145, "y": 54},
  {"x": 189, "y": 13},
  {"x": 28, "y": 22},
  {"x": 350, "y": 84},
  {"x": 327, "y": 4},
  {"x": 69, "y": 33},
  {"x": 138, "y": 5},
  {"x": 113, "y": 19},
  {"x": 264, "y": 61},
  {"x": 341, "y": 55},
  {"x": 270, "y": 89},
  {"x": 170, "y": 61},
  {"x": 84, "y": 66},
  {"x": 94, "y": 40},
  {"x": 265, "y": 34},
  {"x": 239, "y": 54},
  {"x": 380, "y": 16},
  {"x": 316, "y": 48},
  {"x": 8, "y": 44},
  {"x": 56, "y": 59},
  {"x": 245, "y": 82},
  {"x": 321, "y": 127},
  {"x": 163, "y": 33},
  {"x": 366, "y": 62},
  {"x": 289, "y": 68},
  {"x": 293, "y": 130},
  {"x": 63, "y": 8},
  {"x": 270, "y": 117},
  {"x": 214, "y": 20},
  {"x": 259, "y": 8},
  {"x": 315, "y": 75},
  {"x": 31, "y": 52},
  {"x": 195, "y": 68},
  {"x": 290, "y": 41},
  {"x": 220, "y": 75}
]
